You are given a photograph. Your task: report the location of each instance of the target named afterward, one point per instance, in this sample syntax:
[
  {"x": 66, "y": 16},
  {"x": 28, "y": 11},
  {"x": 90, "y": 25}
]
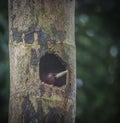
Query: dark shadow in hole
[{"x": 50, "y": 65}]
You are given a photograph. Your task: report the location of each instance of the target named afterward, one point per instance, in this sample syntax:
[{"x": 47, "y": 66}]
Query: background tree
[{"x": 98, "y": 56}]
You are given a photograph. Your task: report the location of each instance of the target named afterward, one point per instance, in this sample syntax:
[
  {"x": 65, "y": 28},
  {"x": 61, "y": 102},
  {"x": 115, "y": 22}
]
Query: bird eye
[
  {"x": 50, "y": 74},
  {"x": 50, "y": 66}
]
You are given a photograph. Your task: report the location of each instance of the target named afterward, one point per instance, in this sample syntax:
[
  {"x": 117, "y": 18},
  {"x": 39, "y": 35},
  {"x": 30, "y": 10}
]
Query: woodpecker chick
[{"x": 51, "y": 77}]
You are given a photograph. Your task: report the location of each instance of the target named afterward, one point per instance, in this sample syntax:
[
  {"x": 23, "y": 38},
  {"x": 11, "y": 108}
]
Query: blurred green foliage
[
  {"x": 4, "y": 63},
  {"x": 98, "y": 61}
]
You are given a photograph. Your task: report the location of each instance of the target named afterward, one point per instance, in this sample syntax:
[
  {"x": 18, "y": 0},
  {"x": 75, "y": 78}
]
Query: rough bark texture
[{"x": 41, "y": 40}]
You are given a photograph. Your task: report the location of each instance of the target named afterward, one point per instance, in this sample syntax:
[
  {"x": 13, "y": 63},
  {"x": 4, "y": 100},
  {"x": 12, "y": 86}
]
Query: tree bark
[{"x": 42, "y": 61}]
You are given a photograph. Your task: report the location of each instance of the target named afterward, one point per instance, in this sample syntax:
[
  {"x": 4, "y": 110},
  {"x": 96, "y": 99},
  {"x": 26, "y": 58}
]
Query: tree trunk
[{"x": 42, "y": 61}]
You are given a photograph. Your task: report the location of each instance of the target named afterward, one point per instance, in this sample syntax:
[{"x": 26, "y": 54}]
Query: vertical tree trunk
[{"x": 42, "y": 61}]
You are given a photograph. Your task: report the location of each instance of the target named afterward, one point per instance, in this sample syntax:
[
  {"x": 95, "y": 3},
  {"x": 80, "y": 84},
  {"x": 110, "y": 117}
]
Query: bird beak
[{"x": 58, "y": 75}]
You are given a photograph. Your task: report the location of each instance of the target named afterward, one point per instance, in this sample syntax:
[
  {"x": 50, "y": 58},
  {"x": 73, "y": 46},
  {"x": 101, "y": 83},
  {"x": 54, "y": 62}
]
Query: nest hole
[{"x": 49, "y": 67}]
